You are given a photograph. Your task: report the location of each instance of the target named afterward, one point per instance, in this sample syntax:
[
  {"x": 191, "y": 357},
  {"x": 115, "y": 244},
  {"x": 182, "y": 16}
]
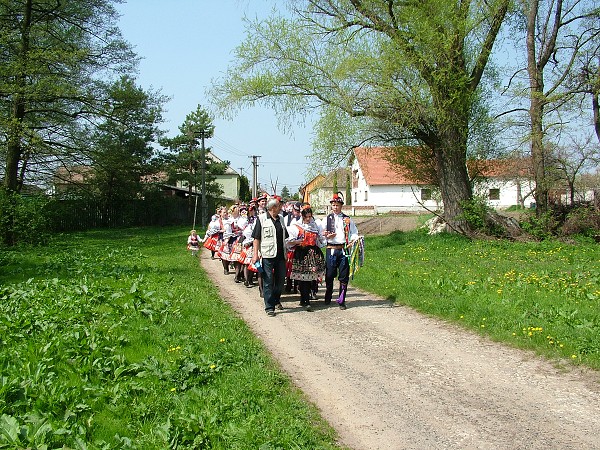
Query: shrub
[
  {"x": 564, "y": 220},
  {"x": 22, "y": 219},
  {"x": 477, "y": 213},
  {"x": 584, "y": 220}
]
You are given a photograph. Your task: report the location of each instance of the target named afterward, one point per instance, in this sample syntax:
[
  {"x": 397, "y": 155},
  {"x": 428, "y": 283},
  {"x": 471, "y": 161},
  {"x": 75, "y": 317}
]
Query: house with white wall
[
  {"x": 378, "y": 185},
  {"x": 503, "y": 182}
]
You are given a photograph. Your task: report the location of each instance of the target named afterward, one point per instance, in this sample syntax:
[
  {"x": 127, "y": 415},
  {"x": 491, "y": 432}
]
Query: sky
[{"x": 184, "y": 46}]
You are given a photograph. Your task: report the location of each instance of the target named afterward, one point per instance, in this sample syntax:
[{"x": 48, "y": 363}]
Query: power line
[{"x": 228, "y": 148}]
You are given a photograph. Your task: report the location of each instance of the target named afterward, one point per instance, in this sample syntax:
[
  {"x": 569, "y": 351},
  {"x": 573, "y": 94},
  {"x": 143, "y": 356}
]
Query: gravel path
[{"x": 387, "y": 377}]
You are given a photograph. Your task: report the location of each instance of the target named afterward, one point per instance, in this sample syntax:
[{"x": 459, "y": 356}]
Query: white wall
[
  {"x": 508, "y": 192},
  {"x": 386, "y": 198}
]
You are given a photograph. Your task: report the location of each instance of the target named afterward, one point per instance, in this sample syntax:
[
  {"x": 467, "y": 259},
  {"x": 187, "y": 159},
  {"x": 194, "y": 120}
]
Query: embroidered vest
[{"x": 331, "y": 222}]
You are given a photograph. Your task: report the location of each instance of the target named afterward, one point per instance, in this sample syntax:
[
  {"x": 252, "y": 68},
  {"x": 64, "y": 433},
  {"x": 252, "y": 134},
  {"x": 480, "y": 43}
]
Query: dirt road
[{"x": 388, "y": 378}]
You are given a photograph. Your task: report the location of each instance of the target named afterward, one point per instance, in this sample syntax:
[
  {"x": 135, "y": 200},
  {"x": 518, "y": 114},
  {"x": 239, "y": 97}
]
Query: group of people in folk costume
[{"x": 229, "y": 237}]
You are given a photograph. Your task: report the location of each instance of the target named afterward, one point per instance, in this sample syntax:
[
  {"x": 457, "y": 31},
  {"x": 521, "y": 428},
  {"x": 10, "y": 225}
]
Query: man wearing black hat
[{"x": 341, "y": 233}]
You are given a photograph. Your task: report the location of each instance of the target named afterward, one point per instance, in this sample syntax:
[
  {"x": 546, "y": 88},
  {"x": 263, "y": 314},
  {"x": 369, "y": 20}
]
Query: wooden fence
[{"x": 80, "y": 214}]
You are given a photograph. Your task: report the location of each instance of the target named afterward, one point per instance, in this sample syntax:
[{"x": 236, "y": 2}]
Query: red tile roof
[
  {"x": 377, "y": 170},
  {"x": 508, "y": 168}
]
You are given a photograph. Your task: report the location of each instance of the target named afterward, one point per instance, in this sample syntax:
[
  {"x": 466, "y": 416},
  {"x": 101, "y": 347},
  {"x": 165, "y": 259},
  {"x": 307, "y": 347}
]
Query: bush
[
  {"x": 583, "y": 220},
  {"x": 22, "y": 219},
  {"x": 564, "y": 220},
  {"x": 477, "y": 213},
  {"x": 542, "y": 227}
]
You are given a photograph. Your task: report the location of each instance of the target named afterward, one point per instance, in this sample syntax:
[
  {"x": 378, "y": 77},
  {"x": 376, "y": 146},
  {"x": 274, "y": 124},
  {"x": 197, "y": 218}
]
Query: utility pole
[
  {"x": 254, "y": 174},
  {"x": 203, "y": 161}
]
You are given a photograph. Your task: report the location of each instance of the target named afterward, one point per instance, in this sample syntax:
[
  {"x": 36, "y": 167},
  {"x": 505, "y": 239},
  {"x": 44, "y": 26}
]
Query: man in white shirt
[{"x": 341, "y": 234}]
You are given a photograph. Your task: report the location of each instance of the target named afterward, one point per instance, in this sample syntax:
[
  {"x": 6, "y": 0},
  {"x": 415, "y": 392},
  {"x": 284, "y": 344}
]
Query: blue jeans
[
  {"x": 335, "y": 261},
  {"x": 273, "y": 281}
]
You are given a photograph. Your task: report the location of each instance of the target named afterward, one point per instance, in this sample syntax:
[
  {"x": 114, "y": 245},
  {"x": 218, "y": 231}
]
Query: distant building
[
  {"x": 378, "y": 187},
  {"x": 319, "y": 191},
  {"x": 68, "y": 179}
]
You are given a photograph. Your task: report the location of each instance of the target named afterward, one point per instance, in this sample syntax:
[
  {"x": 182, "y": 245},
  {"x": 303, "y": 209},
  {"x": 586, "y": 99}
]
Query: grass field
[
  {"x": 117, "y": 340},
  {"x": 543, "y": 296}
]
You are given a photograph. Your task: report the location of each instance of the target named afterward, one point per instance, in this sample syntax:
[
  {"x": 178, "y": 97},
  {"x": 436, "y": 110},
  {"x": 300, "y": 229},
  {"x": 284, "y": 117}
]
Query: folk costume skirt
[
  {"x": 211, "y": 242},
  {"x": 308, "y": 263}
]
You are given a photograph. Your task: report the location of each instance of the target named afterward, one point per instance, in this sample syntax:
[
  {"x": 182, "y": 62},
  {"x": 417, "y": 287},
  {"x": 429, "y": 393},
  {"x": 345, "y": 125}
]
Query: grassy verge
[
  {"x": 541, "y": 296},
  {"x": 116, "y": 339}
]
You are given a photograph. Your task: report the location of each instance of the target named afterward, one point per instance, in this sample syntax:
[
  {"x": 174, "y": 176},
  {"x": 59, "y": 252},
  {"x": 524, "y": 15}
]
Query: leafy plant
[{"x": 105, "y": 345}]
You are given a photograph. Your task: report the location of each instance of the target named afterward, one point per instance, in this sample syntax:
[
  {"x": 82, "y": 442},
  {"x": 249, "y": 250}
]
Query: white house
[{"x": 376, "y": 184}]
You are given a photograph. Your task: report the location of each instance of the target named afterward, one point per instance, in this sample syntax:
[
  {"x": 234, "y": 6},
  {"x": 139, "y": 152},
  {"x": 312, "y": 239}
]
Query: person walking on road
[
  {"x": 308, "y": 264},
  {"x": 269, "y": 244},
  {"x": 341, "y": 234}
]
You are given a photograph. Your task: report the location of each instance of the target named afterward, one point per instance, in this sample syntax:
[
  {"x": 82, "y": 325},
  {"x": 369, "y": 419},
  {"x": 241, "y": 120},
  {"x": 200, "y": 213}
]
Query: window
[
  {"x": 425, "y": 194},
  {"x": 355, "y": 196},
  {"x": 494, "y": 194},
  {"x": 366, "y": 196}
]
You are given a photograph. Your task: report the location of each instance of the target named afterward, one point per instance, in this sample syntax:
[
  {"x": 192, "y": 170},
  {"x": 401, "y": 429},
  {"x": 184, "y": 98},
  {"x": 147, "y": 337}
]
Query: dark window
[
  {"x": 425, "y": 194},
  {"x": 494, "y": 194}
]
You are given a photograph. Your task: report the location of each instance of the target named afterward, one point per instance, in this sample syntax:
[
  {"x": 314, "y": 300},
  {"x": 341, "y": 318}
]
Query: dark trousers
[
  {"x": 273, "y": 281},
  {"x": 336, "y": 262},
  {"x": 305, "y": 288}
]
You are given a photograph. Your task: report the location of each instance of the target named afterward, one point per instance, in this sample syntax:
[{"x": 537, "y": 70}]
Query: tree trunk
[
  {"x": 450, "y": 150},
  {"x": 595, "y": 105},
  {"x": 15, "y": 130},
  {"x": 454, "y": 186},
  {"x": 536, "y": 111}
]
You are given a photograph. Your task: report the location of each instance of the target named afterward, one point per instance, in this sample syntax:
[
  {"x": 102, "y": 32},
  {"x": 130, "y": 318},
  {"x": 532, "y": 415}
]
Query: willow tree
[{"x": 412, "y": 68}]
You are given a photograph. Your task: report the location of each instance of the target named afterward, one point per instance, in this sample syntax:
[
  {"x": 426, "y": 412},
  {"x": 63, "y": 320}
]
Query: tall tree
[
  {"x": 560, "y": 34},
  {"x": 190, "y": 161},
  {"x": 411, "y": 68},
  {"x": 53, "y": 56},
  {"x": 122, "y": 147},
  {"x": 245, "y": 193}
]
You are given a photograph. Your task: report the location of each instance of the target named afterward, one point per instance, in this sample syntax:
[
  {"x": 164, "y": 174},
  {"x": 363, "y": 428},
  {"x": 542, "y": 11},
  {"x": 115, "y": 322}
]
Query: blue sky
[{"x": 187, "y": 43}]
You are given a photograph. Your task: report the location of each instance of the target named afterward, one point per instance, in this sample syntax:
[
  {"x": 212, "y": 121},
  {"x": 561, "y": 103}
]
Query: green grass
[
  {"x": 542, "y": 296},
  {"x": 116, "y": 339}
]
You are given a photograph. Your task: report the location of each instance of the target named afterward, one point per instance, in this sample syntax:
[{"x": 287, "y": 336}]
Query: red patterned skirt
[
  {"x": 226, "y": 248},
  {"x": 246, "y": 255},
  {"x": 288, "y": 262},
  {"x": 236, "y": 250},
  {"x": 211, "y": 242}
]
